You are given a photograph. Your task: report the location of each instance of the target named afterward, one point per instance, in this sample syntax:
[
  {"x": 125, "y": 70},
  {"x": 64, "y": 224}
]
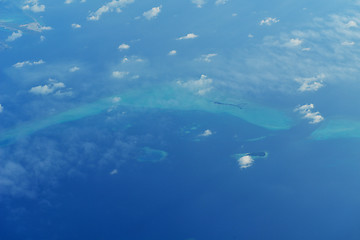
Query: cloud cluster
[
  {"x": 34, "y": 6},
  {"x": 245, "y": 162},
  {"x": 200, "y": 86},
  {"x": 28, "y": 63},
  {"x": 114, "y": 5},
  {"x": 199, "y": 3},
  {"x": 311, "y": 84},
  {"x": 188, "y": 36},
  {"x": 306, "y": 111},
  {"x": 206, "y": 133},
  {"x": 269, "y": 21},
  {"x": 14, "y": 36},
  {"x": 35, "y": 26},
  {"x": 152, "y": 13},
  {"x": 53, "y": 87}
]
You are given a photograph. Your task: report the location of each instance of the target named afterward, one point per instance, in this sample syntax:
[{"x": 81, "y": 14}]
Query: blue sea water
[{"x": 139, "y": 145}]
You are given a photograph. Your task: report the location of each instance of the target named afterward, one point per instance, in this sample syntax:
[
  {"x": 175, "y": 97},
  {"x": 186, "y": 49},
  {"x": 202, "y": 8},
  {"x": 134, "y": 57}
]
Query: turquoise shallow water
[{"x": 337, "y": 128}]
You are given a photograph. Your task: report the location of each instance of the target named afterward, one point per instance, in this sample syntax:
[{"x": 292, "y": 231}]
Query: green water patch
[
  {"x": 169, "y": 97},
  {"x": 151, "y": 155},
  {"x": 337, "y": 128}
]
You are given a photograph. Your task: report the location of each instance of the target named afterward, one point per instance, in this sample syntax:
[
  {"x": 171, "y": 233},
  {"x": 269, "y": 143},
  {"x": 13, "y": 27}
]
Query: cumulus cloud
[
  {"x": 35, "y": 26},
  {"x": 114, "y": 5},
  {"x": 152, "y": 13},
  {"x": 200, "y": 86},
  {"x": 245, "y": 162},
  {"x": 52, "y": 87},
  {"x": 118, "y": 74},
  {"x": 188, "y": 36},
  {"x": 306, "y": 111},
  {"x": 199, "y": 3},
  {"x": 123, "y": 46},
  {"x": 14, "y": 36},
  {"x": 269, "y": 21},
  {"x": 221, "y": 2},
  {"x": 28, "y": 63},
  {"x": 74, "y": 69},
  {"x": 34, "y": 6},
  {"x": 1, "y": 108},
  {"x": 206, "y": 133},
  {"x": 207, "y": 57},
  {"x": 75, "y": 25},
  {"x": 172, "y": 53},
  {"x": 311, "y": 84},
  {"x": 293, "y": 42}
]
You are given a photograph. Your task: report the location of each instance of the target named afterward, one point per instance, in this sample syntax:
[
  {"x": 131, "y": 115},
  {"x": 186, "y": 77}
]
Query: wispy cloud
[
  {"x": 206, "y": 133},
  {"x": 34, "y": 6},
  {"x": 207, "y": 57},
  {"x": 75, "y": 25},
  {"x": 74, "y": 69},
  {"x": 1, "y": 108},
  {"x": 52, "y": 87},
  {"x": 28, "y": 63},
  {"x": 14, "y": 36},
  {"x": 269, "y": 21},
  {"x": 172, "y": 53},
  {"x": 306, "y": 111},
  {"x": 294, "y": 42},
  {"x": 188, "y": 36},
  {"x": 152, "y": 13},
  {"x": 199, "y": 3},
  {"x": 114, "y": 5},
  {"x": 311, "y": 84},
  {"x": 118, "y": 74},
  {"x": 221, "y": 2},
  {"x": 35, "y": 26}
]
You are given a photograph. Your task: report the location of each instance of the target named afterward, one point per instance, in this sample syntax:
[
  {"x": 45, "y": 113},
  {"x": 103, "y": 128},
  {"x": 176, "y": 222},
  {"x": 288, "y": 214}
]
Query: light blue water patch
[
  {"x": 159, "y": 98},
  {"x": 151, "y": 155},
  {"x": 337, "y": 128}
]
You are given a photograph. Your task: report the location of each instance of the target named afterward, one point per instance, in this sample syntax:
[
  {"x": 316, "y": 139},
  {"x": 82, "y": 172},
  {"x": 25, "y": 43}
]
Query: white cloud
[
  {"x": 42, "y": 38},
  {"x": 293, "y": 42},
  {"x": 28, "y": 63},
  {"x": 109, "y": 7},
  {"x": 35, "y": 26},
  {"x": 351, "y": 24},
  {"x": 306, "y": 49},
  {"x": 200, "y": 86},
  {"x": 52, "y": 87},
  {"x": 221, "y": 2},
  {"x": 123, "y": 46},
  {"x": 306, "y": 110},
  {"x": 346, "y": 43},
  {"x": 14, "y": 36},
  {"x": 1, "y": 108},
  {"x": 207, "y": 57},
  {"x": 310, "y": 84},
  {"x": 199, "y": 3},
  {"x": 75, "y": 25},
  {"x": 74, "y": 69},
  {"x": 206, "y": 133},
  {"x": 34, "y": 6},
  {"x": 250, "y": 36},
  {"x": 69, "y": 1},
  {"x": 113, "y": 172},
  {"x": 188, "y": 36},
  {"x": 172, "y": 53},
  {"x": 269, "y": 21},
  {"x": 152, "y": 12},
  {"x": 245, "y": 162},
  {"x": 118, "y": 74}
]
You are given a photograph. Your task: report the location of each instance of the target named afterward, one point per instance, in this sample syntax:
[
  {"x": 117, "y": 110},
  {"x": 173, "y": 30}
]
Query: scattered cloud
[
  {"x": 42, "y": 38},
  {"x": 118, "y": 74},
  {"x": 306, "y": 111},
  {"x": 347, "y": 43},
  {"x": 200, "y": 86},
  {"x": 199, "y": 3},
  {"x": 311, "y": 84},
  {"x": 1, "y": 108},
  {"x": 152, "y": 13},
  {"x": 221, "y": 2},
  {"x": 306, "y": 49},
  {"x": 52, "y": 87},
  {"x": 245, "y": 162},
  {"x": 206, "y": 133},
  {"x": 207, "y": 57},
  {"x": 250, "y": 36},
  {"x": 172, "y": 53},
  {"x": 74, "y": 69},
  {"x": 293, "y": 42},
  {"x": 28, "y": 63},
  {"x": 69, "y": 1},
  {"x": 188, "y": 36},
  {"x": 269, "y": 21},
  {"x": 114, "y": 5},
  {"x": 75, "y": 25},
  {"x": 351, "y": 23},
  {"x": 34, "y": 6},
  {"x": 14, "y": 36},
  {"x": 35, "y": 26},
  {"x": 123, "y": 46},
  {"x": 113, "y": 172}
]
